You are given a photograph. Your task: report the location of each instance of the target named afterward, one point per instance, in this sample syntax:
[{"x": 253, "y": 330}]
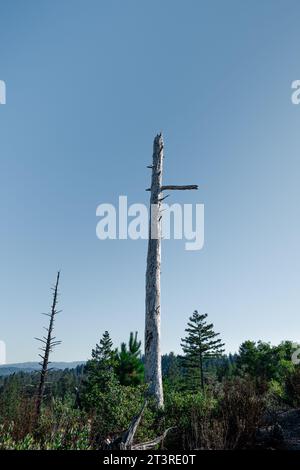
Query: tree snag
[
  {"x": 153, "y": 373},
  {"x": 49, "y": 342}
]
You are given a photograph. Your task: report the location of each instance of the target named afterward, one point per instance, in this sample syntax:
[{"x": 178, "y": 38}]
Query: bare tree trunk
[
  {"x": 153, "y": 372},
  {"x": 49, "y": 342}
]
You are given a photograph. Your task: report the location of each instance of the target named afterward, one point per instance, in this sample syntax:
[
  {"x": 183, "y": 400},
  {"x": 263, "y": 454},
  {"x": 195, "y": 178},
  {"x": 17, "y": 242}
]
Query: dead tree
[
  {"x": 153, "y": 374},
  {"x": 125, "y": 440},
  {"x": 49, "y": 342}
]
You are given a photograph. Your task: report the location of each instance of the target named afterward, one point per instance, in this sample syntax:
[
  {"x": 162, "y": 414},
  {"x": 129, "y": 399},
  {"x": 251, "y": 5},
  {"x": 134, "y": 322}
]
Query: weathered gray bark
[
  {"x": 153, "y": 374},
  {"x": 152, "y": 444}
]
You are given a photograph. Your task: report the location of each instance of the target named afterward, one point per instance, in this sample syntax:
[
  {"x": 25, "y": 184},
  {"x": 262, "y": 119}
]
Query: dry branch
[
  {"x": 151, "y": 444},
  {"x": 125, "y": 441}
]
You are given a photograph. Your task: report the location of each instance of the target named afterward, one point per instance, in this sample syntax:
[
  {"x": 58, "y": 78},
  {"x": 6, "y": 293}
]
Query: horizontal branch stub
[{"x": 177, "y": 188}]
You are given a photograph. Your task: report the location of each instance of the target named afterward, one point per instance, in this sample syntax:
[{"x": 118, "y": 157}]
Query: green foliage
[
  {"x": 185, "y": 412},
  {"x": 225, "y": 367},
  {"x": 11, "y": 391},
  {"x": 115, "y": 410},
  {"x": 108, "y": 370},
  {"x": 225, "y": 415},
  {"x": 172, "y": 372},
  {"x": 292, "y": 387},
  {"x": 200, "y": 343},
  {"x": 129, "y": 367},
  {"x": 103, "y": 352},
  {"x": 111, "y": 390},
  {"x": 180, "y": 406},
  {"x": 265, "y": 362},
  {"x": 275, "y": 391},
  {"x": 99, "y": 372},
  {"x": 60, "y": 428}
]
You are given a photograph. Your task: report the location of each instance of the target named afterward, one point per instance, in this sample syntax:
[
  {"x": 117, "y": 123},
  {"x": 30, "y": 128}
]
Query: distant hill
[{"x": 9, "y": 369}]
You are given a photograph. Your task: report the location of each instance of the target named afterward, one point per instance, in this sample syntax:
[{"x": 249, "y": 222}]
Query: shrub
[
  {"x": 225, "y": 419},
  {"x": 292, "y": 387},
  {"x": 241, "y": 409},
  {"x": 186, "y": 411}
]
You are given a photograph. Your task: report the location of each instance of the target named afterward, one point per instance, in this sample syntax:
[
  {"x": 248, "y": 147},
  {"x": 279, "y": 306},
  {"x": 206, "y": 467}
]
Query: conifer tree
[
  {"x": 200, "y": 343},
  {"x": 103, "y": 351},
  {"x": 129, "y": 368},
  {"x": 99, "y": 370}
]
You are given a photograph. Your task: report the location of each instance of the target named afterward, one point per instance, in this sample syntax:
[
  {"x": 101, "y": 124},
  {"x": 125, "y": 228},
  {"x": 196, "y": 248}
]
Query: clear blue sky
[{"x": 89, "y": 83}]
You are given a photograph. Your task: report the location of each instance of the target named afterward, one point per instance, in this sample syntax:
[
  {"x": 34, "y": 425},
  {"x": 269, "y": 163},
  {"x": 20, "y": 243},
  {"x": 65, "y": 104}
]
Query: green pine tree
[
  {"x": 103, "y": 351},
  {"x": 99, "y": 371},
  {"x": 129, "y": 367},
  {"x": 200, "y": 343}
]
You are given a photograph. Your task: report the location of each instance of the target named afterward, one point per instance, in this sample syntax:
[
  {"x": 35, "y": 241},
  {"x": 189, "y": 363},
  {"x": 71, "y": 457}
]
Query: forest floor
[
  {"x": 284, "y": 434},
  {"x": 290, "y": 424}
]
